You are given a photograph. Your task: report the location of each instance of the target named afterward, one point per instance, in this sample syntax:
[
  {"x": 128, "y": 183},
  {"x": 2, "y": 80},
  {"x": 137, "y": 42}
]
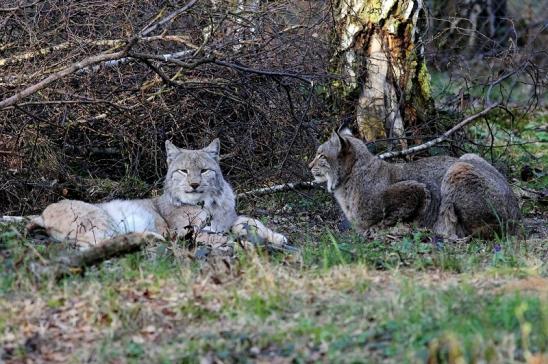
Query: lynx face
[
  {"x": 193, "y": 176},
  {"x": 327, "y": 164}
]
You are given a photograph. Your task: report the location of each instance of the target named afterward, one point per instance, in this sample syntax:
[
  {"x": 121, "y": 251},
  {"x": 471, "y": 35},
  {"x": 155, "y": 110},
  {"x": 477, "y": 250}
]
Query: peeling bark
[{"x": 380, "y": 55}]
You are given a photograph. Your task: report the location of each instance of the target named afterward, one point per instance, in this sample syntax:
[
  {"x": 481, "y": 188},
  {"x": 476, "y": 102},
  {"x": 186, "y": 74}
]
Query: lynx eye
[
  {"x": 205, "y": 171},
  {"x": 183, "y": 171}
]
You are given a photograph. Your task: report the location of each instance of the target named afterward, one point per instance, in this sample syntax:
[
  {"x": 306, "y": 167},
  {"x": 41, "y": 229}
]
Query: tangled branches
[{"x": 89, "y": 91}]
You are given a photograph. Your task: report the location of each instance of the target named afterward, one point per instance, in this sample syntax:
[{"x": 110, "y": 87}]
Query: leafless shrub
[
  {"x": 119, "y": 77},
  {"x": 243, "y": 72}
]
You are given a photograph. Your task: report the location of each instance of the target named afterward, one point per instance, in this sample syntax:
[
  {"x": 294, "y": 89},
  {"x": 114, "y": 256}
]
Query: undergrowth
[
  {"x": 398, "y": 297},
  {"x": 343, "y": 299}
]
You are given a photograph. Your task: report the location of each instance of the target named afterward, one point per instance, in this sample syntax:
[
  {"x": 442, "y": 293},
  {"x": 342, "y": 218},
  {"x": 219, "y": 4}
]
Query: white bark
[
  {"x": 380, "y": 53},
  {"x": 378, "y": 96}
]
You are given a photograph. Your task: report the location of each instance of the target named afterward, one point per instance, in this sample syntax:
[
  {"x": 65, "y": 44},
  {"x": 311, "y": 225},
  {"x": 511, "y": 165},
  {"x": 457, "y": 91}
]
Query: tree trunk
[{"x": 380, "y": 55}]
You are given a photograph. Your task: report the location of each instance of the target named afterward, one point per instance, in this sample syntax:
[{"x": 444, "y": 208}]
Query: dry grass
[{"x": 343, "y": 299}]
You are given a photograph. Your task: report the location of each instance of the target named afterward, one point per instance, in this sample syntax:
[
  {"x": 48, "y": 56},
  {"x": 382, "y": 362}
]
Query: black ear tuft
[{"x": 346, "y": 123}]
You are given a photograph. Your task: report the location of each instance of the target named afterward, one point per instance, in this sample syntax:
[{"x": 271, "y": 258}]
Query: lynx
[
  {"x": 454, "y": 197},
  {"x": 195, "y": 193}
]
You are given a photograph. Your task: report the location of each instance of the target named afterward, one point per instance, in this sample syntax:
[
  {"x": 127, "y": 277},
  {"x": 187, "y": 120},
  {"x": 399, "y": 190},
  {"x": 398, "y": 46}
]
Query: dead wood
[
  {"x": 279, "y": 188},
  {"x": 441, "y": 138},
  {"x": 111, "y": 248}
]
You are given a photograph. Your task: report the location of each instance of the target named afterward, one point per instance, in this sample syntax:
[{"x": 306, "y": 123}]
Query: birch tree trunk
[{"x": 380, "y": 55}]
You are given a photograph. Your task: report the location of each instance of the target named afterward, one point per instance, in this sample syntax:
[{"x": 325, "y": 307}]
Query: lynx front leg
[
  {"x": 404, "y": 201},
  {"x": 246, "y": 227}
]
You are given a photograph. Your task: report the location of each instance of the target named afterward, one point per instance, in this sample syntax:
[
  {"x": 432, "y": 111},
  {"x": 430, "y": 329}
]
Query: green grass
[
  {"x": 420, "y": 252},
  {"x": 344, "y": 299},
  {"x": 400, "y": 297}
]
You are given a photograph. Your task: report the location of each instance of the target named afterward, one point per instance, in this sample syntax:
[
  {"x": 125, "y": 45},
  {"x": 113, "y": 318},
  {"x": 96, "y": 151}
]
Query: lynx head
[
  {"x": 193, "y": 176},
  {"x": 329, "y": 163}
]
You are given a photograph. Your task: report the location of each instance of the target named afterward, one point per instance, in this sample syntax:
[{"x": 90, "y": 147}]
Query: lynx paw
[{"x": 278, "y": 239}]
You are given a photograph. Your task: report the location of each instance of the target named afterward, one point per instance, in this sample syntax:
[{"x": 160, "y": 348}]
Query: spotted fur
[
  {"x": 196, "y": 197},
  {"x": 454, "y": 197}
]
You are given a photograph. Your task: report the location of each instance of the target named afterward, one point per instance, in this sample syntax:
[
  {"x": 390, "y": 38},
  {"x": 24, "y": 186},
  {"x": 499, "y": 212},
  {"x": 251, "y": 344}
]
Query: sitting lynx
[
  {"x": 194, "y": 177},
  {"x": 454, "y": 197}
]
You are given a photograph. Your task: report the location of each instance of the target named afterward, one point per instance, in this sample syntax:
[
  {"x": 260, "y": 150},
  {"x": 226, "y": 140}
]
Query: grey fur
[
  {"x": 200, "y": 168},
  {"x": 193, "y": 179},
  {"x": 454, "y": 197}
]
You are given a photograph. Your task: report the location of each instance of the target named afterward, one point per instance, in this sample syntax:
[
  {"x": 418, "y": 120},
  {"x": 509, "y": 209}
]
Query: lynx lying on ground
[
  {"x": 454, "y": 197},
  {"x": 194, "y": 177}
]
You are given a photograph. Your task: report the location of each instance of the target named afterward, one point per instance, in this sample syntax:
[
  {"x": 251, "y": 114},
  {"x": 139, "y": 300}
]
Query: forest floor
[
  {"x": 401, "y": 296},
  {"x": 398, "y": 296}
]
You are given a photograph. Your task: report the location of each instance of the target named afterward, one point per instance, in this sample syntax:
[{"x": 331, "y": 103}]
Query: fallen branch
[
  {"x": 279, "y": 188},
  {"x": 122, "y": 245},
  {"x": 165, "y": 57},
  {"x": 110, "y": 59},
  {"x": 14, "y": 219},
  {"x": 107, "y": 63},
  {"x": 47, "y": 50},
  {"x": 441, "y": 138},
  {"x": 117, "y": 246}
]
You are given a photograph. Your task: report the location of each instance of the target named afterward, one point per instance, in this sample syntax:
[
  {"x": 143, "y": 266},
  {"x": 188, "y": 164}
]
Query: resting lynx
[
  {"x": 194, "y": 177},
  {"x": 454, "y": 197}
]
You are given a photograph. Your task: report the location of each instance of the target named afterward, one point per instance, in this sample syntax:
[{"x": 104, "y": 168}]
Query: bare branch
[
  {"x": 166, "y": 19},
  {"x": 279, "y": 188},
  {"x": 303, "y": 78},
  {"x": 441, "y": 138},
  {"x": 60, "y": 74},
  {"x": 15, "y": 8},
  {"x": 99, "y": 43},
  {"x": 89, "y": 61},
  {"x": 166, "y": 57}
]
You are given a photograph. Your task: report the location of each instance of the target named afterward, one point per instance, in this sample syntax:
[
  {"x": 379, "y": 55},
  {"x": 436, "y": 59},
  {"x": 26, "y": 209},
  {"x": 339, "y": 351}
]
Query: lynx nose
[{"x": 194, "y": 185}]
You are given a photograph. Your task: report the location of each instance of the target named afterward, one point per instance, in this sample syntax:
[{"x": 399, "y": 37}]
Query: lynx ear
[
  {"x": 214, "y": 149},
  {"x": 339, "y": 142},
  {"x": 171, "y": 151}
]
